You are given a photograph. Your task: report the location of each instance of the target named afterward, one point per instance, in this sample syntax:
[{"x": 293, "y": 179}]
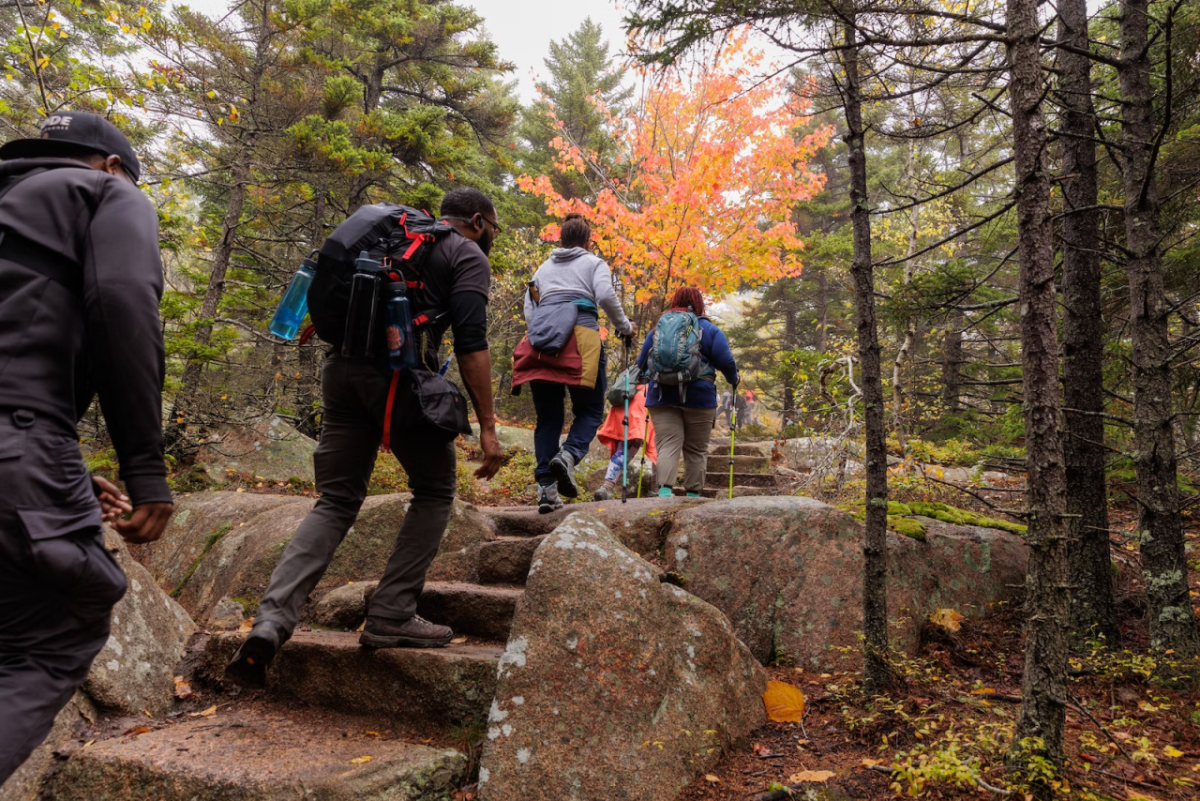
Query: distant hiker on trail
[
  {"x": 360, "y": 395},
  {"x": 727, "y": 408},
  {"x": 739, "y": 407},
  {"x": 562, "y": 354},
  {"x": 612, "y": 434},
  {"x": 751, "y": 408},
  {"x": 682, "y": 356},
  {"x": 81, "y": 280}
]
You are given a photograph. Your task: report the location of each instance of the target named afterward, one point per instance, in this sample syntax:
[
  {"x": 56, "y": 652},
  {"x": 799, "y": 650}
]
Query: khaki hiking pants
[{"x": 678, "y": 430}]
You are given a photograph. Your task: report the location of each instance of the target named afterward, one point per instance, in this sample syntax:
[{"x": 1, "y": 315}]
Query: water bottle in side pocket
[{"x": 290, "y": 314}]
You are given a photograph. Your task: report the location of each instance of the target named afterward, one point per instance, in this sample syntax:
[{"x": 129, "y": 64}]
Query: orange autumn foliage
[{"x": 708, "y": 170}]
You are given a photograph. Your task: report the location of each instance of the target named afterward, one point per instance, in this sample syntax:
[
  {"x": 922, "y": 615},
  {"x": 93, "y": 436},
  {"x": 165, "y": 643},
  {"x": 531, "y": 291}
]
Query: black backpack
[{"x": 399, "y": 237}]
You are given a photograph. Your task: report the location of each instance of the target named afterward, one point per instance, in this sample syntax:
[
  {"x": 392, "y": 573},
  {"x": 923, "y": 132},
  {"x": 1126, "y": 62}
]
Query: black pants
[
  {"x": 587, "y": 405},
  {"x": 355, "y": 398},
  {"x": 57, "y": 583}
]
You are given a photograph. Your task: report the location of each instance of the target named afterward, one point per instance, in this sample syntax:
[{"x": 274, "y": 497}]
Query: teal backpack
[{"x": 675, "y": 359}]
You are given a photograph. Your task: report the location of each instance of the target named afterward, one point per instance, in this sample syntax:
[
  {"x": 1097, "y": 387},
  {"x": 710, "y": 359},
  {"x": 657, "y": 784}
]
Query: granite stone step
[
  {"x": 716, "y": 479},
  {"x": 507, "y": 560},
  {"x": 471, "y": 609},
  {"x": 719, "y": 463},
  {"x": 330, "y": 669},
  {"x": 256, "y": 754}
]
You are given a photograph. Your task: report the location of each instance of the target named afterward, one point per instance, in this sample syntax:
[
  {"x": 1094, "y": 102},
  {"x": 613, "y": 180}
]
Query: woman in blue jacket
[{"x": 684, "y": 416}]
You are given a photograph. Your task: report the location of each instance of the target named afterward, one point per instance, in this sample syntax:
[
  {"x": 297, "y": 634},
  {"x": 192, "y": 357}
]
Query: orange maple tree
[{"x": 708, "y": 170}]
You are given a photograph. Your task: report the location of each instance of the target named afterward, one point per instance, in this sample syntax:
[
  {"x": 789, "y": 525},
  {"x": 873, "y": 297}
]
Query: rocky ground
[{"x": 610, "y": 650}]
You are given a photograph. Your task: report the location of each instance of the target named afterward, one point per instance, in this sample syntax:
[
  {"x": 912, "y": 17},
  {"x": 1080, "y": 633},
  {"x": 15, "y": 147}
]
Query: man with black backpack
[
  {"x": 80, "y": 281},
  {"x": 444, "y": 265}
]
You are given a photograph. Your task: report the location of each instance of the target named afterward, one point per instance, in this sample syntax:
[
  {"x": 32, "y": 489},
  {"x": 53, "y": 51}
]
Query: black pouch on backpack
[{"x": 427, "y": 406}]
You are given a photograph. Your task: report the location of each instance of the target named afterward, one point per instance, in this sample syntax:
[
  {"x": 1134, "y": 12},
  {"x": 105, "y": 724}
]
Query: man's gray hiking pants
[{"x": 355, "y": 399}]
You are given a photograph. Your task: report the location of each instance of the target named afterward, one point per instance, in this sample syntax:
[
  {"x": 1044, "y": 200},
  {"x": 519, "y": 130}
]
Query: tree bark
[
  {"x": 789, "y": 343},
  {"x": 876, "y": 673},
  {"x": 952, "y": 357},
  {"x": 1160, "y": 531},
  {"x": 1047, "y": 598},
  {"x": 821, "y": 341},
  {"x": 910, "y": 331},
  {"x": 1092, "y": 609}
]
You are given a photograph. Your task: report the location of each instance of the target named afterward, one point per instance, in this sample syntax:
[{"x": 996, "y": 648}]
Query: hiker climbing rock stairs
[{"x": 752, "y": 473}]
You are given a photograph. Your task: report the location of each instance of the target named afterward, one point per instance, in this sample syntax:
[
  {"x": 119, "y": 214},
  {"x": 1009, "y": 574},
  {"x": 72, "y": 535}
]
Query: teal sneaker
[
  {"x": 693, "y": 495},
  {"x": 665, "y": 492}
]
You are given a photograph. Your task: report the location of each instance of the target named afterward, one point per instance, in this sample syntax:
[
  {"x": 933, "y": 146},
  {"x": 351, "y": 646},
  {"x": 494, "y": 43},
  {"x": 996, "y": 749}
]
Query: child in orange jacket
[{"x": 612, "y": 434}]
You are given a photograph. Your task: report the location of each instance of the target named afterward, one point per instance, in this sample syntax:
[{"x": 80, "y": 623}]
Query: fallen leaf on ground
[
  {"x": 373, "y": 733},
  {"x": 212, "y": 710},
  {"x": 811, "y": 776},
  {"x": 458, "y": 640},
  {"x": 761, "y": 750},
  {"x": 983, "y": 691},
  {"x": 711, "y": 778},
  {"x": 362, "y": 760},
  {"x": 948, "y": 619},
  {"x": 245, "y": 627},
  {"x": 89, "y": 743},
  {"x": 785, "y": 702},
  {"x": 183, "y": 689},
  {"x": 1172, "y": 752},
  {"x": 866, "y": 763},
  {"x": 138, "y": 730}
]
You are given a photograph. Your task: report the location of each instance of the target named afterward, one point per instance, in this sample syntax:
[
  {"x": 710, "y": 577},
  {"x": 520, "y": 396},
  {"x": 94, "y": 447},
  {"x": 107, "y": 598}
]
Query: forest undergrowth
[{"x": 1133, "y": 717}]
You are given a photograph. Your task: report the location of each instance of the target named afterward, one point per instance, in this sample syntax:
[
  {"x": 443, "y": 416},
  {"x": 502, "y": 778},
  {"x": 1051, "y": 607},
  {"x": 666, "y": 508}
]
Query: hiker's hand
[
  {"x": 147, "y": 522},
  {"x": 492, "y": 455},
  {"x": 632, "y": 331},
  {"x": 113, "y": 502}
]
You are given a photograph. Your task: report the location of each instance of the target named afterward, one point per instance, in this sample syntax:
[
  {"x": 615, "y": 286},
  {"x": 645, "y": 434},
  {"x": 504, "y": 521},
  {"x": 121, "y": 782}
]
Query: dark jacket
[
  {"x": 714, "y": 349},
  {"x": 62, "y": 345}
]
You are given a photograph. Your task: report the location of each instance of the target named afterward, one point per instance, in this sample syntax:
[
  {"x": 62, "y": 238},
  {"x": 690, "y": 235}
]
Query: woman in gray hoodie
[{"x": 572, "y": 275}]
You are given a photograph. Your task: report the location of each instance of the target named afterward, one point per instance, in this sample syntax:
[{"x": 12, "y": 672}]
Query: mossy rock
[
  {"x": 907, "y": 526},
  {"x": 951, "y": 514}
]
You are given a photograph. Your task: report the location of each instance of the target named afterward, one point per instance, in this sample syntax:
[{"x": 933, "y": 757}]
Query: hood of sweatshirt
[{"x": 563, "y": 255}]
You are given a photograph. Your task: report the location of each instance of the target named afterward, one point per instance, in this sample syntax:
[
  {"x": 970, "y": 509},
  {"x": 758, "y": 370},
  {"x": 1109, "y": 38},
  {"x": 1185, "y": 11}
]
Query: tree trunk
[
  {"x": 789, "y": 343},
  {"x": 910, "y": 332},
  {"x": 1164, "y": 568},
  {"x": 821, "y": 341},
  {"x": 876, "y": 673},
  {"x": 190, "y": 382},
  {"x": 952, "y": 357},
  {"x": 1092, "y": 609},
  {"x": 1047, "y": 597}
]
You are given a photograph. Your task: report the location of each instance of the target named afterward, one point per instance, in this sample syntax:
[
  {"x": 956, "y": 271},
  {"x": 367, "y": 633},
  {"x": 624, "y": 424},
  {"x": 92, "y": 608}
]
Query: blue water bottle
[
  {"x": 294, "y": 305},
  {"x": 401, "y": 345}
]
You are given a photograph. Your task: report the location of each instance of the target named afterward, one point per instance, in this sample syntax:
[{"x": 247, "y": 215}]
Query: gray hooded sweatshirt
[{"x": 576, "y": 272}]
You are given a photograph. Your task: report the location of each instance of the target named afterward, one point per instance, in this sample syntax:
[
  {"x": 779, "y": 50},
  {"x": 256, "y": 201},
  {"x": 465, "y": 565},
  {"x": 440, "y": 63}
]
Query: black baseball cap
[{"x": 79, "y": 129}]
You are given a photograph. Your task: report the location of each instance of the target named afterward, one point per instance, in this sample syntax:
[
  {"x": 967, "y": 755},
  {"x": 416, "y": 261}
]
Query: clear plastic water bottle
[
  {"x": 286, "y": 322},
  {"x": 401, "y": 345}
]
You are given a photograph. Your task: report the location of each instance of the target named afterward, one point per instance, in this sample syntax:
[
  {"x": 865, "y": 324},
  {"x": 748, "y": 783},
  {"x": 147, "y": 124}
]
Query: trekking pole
[
  {"x": 645, "y": 444},
  {"x": 625, "y": 443},
  {"x": 732, "y": 439}
]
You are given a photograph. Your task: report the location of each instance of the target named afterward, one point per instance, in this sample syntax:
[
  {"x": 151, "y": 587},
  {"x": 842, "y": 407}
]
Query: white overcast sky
[{"x": 523, "y": 30}]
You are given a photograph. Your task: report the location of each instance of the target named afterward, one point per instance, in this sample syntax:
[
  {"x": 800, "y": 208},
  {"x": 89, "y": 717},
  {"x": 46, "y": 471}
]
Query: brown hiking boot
[{"x": 416, "y": 632}]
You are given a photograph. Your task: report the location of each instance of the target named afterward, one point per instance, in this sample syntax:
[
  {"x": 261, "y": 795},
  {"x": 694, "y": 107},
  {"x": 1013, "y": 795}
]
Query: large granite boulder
[
  {"x": 134, "y": 672},
  {"x": 27, "y": 782},
  {"x": 270, "y": 449},
  {"x": 788, "y": 572},
  {"x": 226, "y": 544},
  {"x": 613, "y": 685}
]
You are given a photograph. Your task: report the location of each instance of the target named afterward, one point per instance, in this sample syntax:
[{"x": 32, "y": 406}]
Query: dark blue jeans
[{"x": 586, "y": 404}]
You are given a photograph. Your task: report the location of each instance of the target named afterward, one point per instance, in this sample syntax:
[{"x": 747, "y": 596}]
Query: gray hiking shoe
[
  {"x": 548, "y": 500},
  {"x": 416, "y": 632},
  {"x": 563, "y": 468},
  {"x": 606, "y": 492},
  {"x": 248, "y": 668}
]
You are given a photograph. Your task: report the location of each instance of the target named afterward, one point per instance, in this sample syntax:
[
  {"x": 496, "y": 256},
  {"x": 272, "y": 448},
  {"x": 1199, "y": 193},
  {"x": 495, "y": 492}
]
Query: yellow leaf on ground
[
  {"x": 948, "y": 619},
  {"x": 811, "y": 776},
  {"x": 458, "y": 640},
  {"x": 711, "y": 778},
  {"x": 246, "y": 626},
  {"x": 983, "y": 691},
  {"x": 362, "y": 760},
  {"x": 785, "y": 702},
  {"x": 212, "y": 710},
  {"x": 373, "y": 733},
  {"x": 866, "y": 763},
  {"x": 1172, "y": 752}
]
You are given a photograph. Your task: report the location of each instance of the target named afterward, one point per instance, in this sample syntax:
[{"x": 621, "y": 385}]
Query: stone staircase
[
  {"x": 336, "y": 721},
  {"x": 751, "y": 471}
]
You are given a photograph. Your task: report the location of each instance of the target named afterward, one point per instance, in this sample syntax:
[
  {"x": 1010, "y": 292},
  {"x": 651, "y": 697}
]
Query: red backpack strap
[
  {"x": 387, "y": 415},
  {"x": 308, "y": 334}
]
